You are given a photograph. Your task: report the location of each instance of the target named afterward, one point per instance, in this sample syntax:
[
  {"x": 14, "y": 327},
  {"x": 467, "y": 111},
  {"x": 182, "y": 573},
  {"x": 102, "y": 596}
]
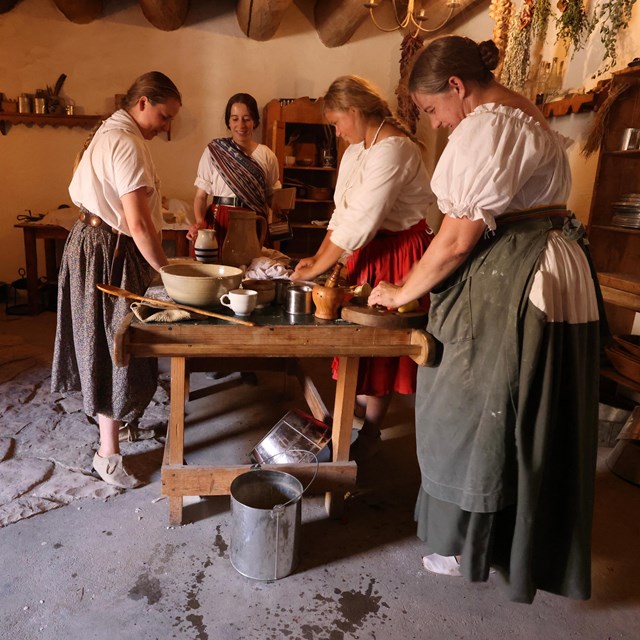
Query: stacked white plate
[{"x": 626, "y": 212}]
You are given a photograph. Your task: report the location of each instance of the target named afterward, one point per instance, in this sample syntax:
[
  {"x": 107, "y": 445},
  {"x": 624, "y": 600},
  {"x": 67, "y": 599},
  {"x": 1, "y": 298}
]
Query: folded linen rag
[
  {"x": 265, "y": 268},
  {"x": 150, "y": 313}
]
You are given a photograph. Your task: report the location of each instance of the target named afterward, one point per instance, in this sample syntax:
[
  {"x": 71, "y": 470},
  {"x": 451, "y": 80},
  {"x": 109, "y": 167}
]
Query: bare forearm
[
  {"x": 142, "y": 229},
  {"x": 448, "y": 250},
  {"x": 200, "y": 206},
  {"x": 148, "y": 242},
  {"x": 327, "y": 256}
]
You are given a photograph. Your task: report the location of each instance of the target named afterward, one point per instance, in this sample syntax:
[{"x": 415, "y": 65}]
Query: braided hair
[
  {"x": 452, "y": 56},
  {"x": 352, "y": 91},
  {"x": 153, "y": 85}
]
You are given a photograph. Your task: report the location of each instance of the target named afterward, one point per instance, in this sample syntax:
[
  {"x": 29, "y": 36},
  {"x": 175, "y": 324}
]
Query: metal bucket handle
[{"x": 279, "y": 508}]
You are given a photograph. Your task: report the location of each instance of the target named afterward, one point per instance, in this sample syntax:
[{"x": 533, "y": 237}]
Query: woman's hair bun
[{"x": 489, "y": 54}]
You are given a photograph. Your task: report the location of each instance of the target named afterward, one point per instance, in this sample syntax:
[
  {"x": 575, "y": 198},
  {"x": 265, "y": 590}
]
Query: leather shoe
[
  {"x": 365, "y": 447},
  {"x": 112, "y": 471}
]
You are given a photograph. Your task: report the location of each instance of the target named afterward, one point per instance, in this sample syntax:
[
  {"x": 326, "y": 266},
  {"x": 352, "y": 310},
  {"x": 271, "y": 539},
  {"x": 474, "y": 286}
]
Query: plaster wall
[{"x": 209, "y": 58}]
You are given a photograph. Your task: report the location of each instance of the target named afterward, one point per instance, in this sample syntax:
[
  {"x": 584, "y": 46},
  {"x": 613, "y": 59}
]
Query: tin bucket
[{"x": 265, "y": 527}]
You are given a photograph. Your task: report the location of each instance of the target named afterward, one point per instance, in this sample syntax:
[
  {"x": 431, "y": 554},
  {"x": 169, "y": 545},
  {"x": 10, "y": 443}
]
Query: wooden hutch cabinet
[
  {"x": 308, "y": 157},
  {"x": 616, "y": 249}
]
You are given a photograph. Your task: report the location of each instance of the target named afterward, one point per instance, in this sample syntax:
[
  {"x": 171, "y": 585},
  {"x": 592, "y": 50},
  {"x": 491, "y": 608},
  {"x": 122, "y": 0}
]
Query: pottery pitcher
[
  {"x": 206, "y": 246},
  {"x": 244, "y": 239}
]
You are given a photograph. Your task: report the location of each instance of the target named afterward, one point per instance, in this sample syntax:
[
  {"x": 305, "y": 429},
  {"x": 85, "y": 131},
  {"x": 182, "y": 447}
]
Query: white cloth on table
[
  {"x": 270, "y": 265},
  {"x": 65, "y": 217},
  {"x": 209, "y": 179},
  {"x": 383, "y": 187},
  {"x": 507, "y": 160},
  {"x": 116, "y": 162}
]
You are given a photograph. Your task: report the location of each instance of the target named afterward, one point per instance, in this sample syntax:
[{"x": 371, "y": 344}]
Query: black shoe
[
  {"x": 216, "y": 375},
  {"x": 249, "y": 378},
  {"x": 365, "y": 447}
]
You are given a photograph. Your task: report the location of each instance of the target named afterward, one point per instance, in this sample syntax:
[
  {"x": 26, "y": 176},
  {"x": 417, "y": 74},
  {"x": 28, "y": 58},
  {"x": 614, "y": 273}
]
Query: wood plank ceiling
[{"x": 335, "y": 20}]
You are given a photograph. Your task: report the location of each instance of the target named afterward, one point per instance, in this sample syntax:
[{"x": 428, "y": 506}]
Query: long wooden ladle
[{"x": 164, "y": 304}]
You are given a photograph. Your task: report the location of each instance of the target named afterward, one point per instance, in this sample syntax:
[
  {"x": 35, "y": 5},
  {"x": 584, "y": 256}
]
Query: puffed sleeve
[
  {"x": 489, "y": 157},
  {"x": 204, "y": 177},
  {"x": 272, "y": 172},
  {"x": 132, "y": 167},
  {"x": 387, "y": 167}
]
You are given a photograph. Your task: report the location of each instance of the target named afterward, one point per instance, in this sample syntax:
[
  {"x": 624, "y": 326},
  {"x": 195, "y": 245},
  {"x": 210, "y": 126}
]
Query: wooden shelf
[
  {"x": 615, "y": 228},
  {"x": 301, "y": 168},
  {"x": 574, "y": 103},
  {"x": 621, "y": 153},
  {"x": 621, "y": 289},
  {"x": 612, "y": 374},
  {"x": 43, "y": 120},
  {"x": 311, "y": 200},
  {"x": 306, "y": 225}
]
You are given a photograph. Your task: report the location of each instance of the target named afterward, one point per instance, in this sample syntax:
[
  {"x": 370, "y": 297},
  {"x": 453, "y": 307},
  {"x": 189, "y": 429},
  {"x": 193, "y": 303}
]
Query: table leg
[
  {"x": 182, "y": 244},
  {"x": 50, "y": 260},
  {"x": 31, "y": 258},
  {"x": 342, "y": 422},
  {"x": 176, "y": 429}
]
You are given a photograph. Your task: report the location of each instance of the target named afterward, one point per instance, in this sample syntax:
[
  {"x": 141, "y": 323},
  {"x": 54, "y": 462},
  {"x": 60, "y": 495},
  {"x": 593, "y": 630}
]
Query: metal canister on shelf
[
  {"x": 24, "y": 103},
  {"x": 630, "y": 139},
  {"x": 39, "y": 105}
]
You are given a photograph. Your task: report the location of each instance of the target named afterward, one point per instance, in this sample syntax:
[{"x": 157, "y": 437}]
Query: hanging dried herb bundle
[
  {"x": 517, "y": 56},
  {"x": 573, "y": 25},
  {"x": 614, "y": 16},
  {"x": 501, "y": 11},
  {"x": 407, "y": 110},
  {"x": 540, "y": 20},
  {"x": 601, "y": 119}
]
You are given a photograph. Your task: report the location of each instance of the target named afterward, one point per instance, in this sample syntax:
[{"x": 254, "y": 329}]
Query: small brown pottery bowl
[{"x": 266, "y": 290}]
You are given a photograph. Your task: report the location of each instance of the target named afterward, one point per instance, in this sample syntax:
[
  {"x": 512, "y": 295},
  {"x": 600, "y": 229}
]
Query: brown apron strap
[{"x": 535, "y": 213}]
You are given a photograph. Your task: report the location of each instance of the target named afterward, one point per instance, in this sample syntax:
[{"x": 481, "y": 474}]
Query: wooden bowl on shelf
[
  {"x": 629, "y": 343},
  {"x": 624, "y": 363}
]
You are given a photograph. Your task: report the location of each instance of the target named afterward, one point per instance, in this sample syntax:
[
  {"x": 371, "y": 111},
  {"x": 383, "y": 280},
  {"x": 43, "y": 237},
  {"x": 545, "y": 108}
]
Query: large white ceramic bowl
[{"x": 198, "y": 284}]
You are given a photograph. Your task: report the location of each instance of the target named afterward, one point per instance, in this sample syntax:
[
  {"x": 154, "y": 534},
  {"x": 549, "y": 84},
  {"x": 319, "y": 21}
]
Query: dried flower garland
[
  {"x": 574, "y": 25},
  {"x": 517, "y": 55},
  {"x": 614, "y": 16},
  {"x": 501, "y": 11},
  {"x": 407, "y": 109},
  {"x": 540, "y": 21}
]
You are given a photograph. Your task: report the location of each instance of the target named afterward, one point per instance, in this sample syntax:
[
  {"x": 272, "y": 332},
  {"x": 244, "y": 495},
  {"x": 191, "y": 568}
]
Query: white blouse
[
  {"x": 209, "y": 180},
  {"x": 116, "y": 162},
  {"x": 383, "y": 187},
  {"x": 500, "y": 160}
]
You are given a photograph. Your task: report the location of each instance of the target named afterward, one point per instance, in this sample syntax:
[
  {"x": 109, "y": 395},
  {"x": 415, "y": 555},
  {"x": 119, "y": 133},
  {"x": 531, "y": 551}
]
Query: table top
[{"x": 275, "y": 334}]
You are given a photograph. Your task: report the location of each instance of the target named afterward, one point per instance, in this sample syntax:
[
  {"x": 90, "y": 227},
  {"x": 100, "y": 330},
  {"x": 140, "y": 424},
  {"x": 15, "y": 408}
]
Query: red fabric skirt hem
[{"x": 389, "y": 256}]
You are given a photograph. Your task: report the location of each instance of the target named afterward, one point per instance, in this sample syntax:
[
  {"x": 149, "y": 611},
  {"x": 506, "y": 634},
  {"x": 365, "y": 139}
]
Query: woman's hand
[
  {"x": 385, "y": 294},
  {"x": 193, "y": 230},
  {"x": 305, "y": 269}
]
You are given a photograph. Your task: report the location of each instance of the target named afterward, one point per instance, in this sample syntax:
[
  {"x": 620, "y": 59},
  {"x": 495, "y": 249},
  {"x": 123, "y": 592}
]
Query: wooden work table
[
  {"x": 276, "y": 335},
  {"x": 50, "y": 234}
]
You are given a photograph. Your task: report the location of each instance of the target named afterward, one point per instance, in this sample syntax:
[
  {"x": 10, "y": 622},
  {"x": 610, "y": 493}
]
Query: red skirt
[{"x": 389, "y": 256}]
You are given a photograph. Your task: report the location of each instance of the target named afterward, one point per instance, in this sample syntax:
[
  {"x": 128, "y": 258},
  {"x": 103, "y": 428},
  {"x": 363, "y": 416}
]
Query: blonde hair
[{"x": 346, "y": 92}]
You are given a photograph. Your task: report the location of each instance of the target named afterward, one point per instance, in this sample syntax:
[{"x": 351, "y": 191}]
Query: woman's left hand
[
  {"x": 385, "y": 294},
  {"x": 304, "y": 269},
  {"x": 193, "y": 230}
]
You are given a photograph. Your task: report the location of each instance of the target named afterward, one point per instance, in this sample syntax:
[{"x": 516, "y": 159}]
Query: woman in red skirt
[{"x": 378, "y": 227}]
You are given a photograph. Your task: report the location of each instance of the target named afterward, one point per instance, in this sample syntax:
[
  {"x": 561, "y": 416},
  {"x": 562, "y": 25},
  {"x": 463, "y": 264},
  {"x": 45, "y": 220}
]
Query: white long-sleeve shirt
[{"x": 383, "y": 187}]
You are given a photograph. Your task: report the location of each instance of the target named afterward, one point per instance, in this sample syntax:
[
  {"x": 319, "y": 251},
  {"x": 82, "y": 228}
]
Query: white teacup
[{"x": 241, "y": 301}]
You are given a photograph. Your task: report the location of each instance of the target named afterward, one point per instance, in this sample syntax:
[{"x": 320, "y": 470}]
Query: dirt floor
[{"x": 82, "y": 560}]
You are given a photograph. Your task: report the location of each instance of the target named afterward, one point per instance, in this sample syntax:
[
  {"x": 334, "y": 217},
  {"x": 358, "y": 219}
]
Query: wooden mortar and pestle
[{"x": 328, "y": 297}]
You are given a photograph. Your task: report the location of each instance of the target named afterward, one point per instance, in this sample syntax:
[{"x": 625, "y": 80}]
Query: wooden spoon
[{"x": 154, "y": 302}]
